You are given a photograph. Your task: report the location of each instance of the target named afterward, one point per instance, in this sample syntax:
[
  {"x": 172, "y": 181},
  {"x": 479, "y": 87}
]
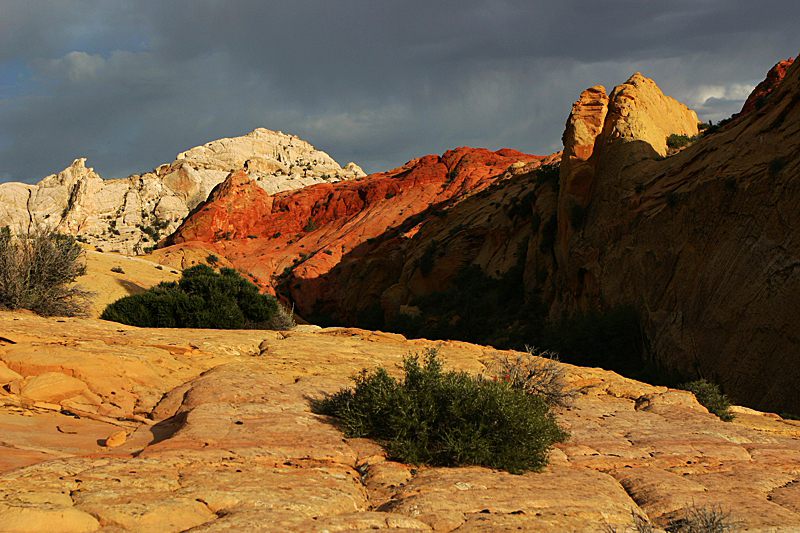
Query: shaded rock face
[
  {"x": 337, "y": 248},
  {"x": 212, "y": 431},
  {"x": 130, "y": 215},
  {"x": 705, "y": 245},
  {"x": 762, "y": 90}
]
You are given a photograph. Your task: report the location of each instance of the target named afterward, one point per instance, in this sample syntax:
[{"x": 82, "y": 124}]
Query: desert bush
[
  {"x": 36, "y": 269},
  {"x": 704, "y": 520},
  {"x": 200, "y": 299},
  {"x": 446, "y": 418},
  {"x": 536, "y": 373},
  {"x": 548, "y": 174},
  {"x": 426, "y": 260},
  {"x": 676, "y": 141},
  {"x": 710, "y": 397},
  {"x": 672, "y": 199},
  {"x": 282, "y": 319}
]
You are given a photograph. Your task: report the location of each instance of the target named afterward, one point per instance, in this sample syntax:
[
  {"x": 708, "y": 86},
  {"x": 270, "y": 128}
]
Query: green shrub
[
  {"x": 212, "y": 259},
  {"x": 710, "y": 397},
  {"x": 775, "y": 166},
  {"x": 446, "y": 418},
  {"x": 672, "y": 199},
  {"x": 200, "y": 299},
  {"x": 36, "y": 269},
  {"x": 676, "y": 141}
]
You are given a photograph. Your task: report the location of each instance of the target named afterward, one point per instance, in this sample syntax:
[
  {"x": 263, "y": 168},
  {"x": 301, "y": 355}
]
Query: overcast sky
[{"x": 129, "y": 84}]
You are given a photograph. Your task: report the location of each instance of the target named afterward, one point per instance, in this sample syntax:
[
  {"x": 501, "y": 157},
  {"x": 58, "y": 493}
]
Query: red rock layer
[
  {"x": 774, "y": 78},
  {"x": 295, "y": 239}
]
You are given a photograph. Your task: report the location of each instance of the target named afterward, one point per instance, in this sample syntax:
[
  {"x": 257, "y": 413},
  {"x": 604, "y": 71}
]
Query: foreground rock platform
[{"x": 219, "y": 436}]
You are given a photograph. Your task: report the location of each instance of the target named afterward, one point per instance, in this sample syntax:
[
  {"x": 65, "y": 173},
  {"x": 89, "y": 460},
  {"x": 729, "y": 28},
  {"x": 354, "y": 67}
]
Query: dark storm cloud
[{"x": 129, "y": 84}]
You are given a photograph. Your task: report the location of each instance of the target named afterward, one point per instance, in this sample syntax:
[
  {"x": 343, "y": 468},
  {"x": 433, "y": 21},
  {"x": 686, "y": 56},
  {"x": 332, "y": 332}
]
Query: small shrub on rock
[
  {"x": 711, "y": 519},
  {"x": 36, "y": 269},
  {"x": 537, "y": 373},
  {"x": 446, "y": 418},
  {"x": 200, "y": 299},
  {"x": 710, "y": 397}
]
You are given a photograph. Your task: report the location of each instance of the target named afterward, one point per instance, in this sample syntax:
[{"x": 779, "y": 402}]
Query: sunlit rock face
[{"x": 130, "y": 215}]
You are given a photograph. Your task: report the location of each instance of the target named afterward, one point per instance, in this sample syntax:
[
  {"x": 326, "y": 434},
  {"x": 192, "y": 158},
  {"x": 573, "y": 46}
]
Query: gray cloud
[{"x": 129, "y": 84}]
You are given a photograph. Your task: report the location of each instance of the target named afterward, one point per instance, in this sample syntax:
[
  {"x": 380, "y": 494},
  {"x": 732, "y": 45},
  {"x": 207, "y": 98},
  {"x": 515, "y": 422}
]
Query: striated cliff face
[{"x": 129, "y": 215}]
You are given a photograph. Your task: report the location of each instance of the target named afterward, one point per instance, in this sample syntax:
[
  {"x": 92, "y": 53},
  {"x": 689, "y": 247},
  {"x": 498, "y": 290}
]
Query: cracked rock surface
[{"x": 221, "y": 438}]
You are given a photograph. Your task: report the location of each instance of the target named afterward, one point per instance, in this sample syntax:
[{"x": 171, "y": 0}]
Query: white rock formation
[{"x": 129, "y": 215}]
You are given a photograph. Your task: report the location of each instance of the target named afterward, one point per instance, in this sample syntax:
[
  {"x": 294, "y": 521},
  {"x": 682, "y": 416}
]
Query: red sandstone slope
[
  {"x": 774, "y": 78},
  {"x": 295, "y": 239}
]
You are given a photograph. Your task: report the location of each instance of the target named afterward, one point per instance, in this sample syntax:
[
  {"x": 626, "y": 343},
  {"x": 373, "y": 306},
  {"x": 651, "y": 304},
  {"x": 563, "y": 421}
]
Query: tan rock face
[
  {"x": 52, "y": 387},
  {"x": 703, "y": 243},
  {"x": 113, "y": 214},
  {"x": 233, "y": 446}
]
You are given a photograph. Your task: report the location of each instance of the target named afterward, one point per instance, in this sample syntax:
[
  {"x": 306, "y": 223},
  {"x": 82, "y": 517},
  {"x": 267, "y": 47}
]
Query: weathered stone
[
  {"x": 52, "y": 387},
  {"x": 117, "y": 438},
  {"x": 234, "y": 446},
  {"x": 125, "y": 215},
  {"x": 38, "y": 518}
]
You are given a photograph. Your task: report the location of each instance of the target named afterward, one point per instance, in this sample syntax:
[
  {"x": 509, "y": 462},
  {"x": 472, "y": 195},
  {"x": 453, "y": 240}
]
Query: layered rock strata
[
  {"x": 219, "y": 436},
  {"x": 337, "y": 247},
  {"x": 130, "y": 215}
]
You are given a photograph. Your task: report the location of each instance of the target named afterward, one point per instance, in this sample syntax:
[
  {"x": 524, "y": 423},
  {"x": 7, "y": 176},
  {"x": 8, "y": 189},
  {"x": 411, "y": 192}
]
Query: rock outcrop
[
  {"x": 702, "y": 243},
  {"x": 213, "y": 431},
  {"x": 130, "y": 215},
  {"x": 757, "y": 98},
  {"x": 335, "y": 248},
  {"x": 705, "y": 245}
]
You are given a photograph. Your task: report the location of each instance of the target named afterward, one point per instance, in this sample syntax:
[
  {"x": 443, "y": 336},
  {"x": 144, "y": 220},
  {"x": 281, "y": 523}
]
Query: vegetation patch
[
  {"x": 676, "y": 141},
  {"x": 36, "y": 269},
  {"x": 446, "y": 418},
  {"x": 710, "y": 397},
  {"x": 200, "y": 299},
  {"x": 426, "y": 260},
  {"x": 548, "y": 174}
]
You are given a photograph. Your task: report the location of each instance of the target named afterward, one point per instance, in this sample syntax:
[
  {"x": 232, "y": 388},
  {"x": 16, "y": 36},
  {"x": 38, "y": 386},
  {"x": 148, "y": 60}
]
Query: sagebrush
[
  {"x": 712, "y": 519},
  {"x": 537, "y": 373},
  {"x": 446, "y": 418},
  {"x": 710, "y": 397},
  {"x": 36, "y": 270},
  {"x": 202, "y": 298}
]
